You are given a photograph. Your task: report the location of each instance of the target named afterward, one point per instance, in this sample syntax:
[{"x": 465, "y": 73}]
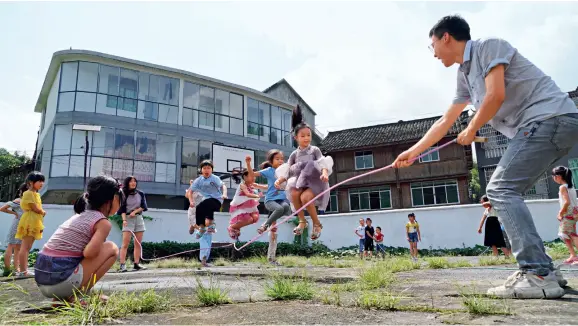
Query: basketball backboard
[{"x": 228, "y": 158}]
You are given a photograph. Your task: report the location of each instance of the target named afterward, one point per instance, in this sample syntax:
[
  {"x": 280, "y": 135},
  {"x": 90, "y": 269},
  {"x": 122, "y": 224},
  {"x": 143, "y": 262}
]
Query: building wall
[
  {"x": 85, "y": 102},
  {"x": 441, "y": 227},
  {"x": 284, "y": 93}
]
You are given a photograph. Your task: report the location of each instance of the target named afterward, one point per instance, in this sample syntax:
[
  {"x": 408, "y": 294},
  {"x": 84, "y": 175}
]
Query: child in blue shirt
[
  {"x": 275, "y": 199},
  {"x": 214, "y": 192}
]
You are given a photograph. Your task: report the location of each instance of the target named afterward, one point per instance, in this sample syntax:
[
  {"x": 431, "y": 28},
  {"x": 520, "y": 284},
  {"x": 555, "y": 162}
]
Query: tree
[
  {"x": 8, "y": 160},
  {"x": 474, "y": 184}
]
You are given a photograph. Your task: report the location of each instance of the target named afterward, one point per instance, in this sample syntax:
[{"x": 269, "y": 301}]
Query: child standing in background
[
  {"x": 360, "y": 231},
  {"x": 568, "y": 213},
  {"x": 494, "y": 237},
  {"x": 30, "y": 226},
  {"x": 413, "y": 235},
  {"x": 13, "y": 207},
  {"x": 369, "y": 231},
  {"x": 379, "y": 248}
]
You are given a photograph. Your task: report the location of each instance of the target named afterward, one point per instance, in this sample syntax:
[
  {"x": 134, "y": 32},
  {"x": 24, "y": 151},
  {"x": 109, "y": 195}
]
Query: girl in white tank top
[{"x": 568, "y": 214}]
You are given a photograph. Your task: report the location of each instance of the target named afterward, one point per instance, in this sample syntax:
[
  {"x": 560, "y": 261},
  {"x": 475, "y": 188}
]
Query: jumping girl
[
  {"x": 13, "y": 207},
  {"x": 307, "y": 175},
  {"x": 493, "y": 236},
  {"x": 214, "y": 191},
  {"x": 31, "y": 224},
  {"x": 275, "y": 200},
  {"x": 133, "y": 205},
  {"x": 77, "y": 255},
  {"x": 568, "y": 213},
  {"x": 195, "y": 199},
  {"x": 244, "y": 205}
]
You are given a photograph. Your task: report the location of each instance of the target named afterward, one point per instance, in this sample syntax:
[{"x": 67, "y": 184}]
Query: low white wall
[{"x": 441, "y": 227}]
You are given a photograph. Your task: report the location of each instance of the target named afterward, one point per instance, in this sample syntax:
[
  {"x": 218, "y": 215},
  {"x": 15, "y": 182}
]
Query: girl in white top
[{"x": 568, "y": 213}]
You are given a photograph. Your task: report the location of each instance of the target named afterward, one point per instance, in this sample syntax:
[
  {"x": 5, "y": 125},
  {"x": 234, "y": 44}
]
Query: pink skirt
[{"x": 243, "y": 212}]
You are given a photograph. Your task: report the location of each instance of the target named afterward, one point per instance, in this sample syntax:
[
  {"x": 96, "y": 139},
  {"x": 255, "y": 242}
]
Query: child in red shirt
[{"x": 379, "y": 242}]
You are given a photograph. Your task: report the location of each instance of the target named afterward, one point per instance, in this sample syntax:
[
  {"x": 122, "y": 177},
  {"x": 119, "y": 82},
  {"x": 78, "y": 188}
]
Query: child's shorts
[
  {"x": 567, "y": 228},
  {"x": 134, "y": 224},
  {"x": 65, "y": 272},
  {"x": 412, "y": 237},
  {"x": 380, "y": 247}
]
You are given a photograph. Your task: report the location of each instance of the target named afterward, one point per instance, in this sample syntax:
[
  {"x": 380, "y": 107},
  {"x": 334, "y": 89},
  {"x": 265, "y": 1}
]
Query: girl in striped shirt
[{"x": 77, "y": 255}]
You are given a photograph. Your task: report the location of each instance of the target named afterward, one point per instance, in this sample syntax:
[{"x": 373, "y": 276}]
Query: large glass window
[
  {"x": 119, "y": 153},
  {"x": 189, "y": 160},
  {"x": 431, "y": 157},
  {"x": 92, "y": 87},
  {"x": 369, "y": 198},
  {"x": 212, "y": 109},
  {"x": 268, "y": 123},
  {"x": 434, "y": 193}
]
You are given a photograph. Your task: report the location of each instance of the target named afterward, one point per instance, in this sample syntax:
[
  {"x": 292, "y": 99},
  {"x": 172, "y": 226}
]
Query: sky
[{"x": 355, "y": 63}]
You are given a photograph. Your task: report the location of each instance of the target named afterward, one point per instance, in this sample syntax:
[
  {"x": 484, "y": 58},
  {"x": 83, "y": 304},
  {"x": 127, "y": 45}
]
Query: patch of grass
[
  {"x": 479, "y": 305},
  {"x": 211, "y": 295},
  {"x": 175, "y": 263},
  {"x": 379, "y": 301},
  {"x": 344, "y": 287},
  {"x": 286, "y": 288},
  {"x": 261, "y": 260},
  {"x": 461, "y": 263},
  {"x": 557, "y": 250},
  {"x": 426, "y": 309},
  {"x": 396, "y": 265},
  {"x": 492, "y": 261},
  {"x": 292, "y": 261},
  {"x": 221, "y": 262},
  {"x": 119, "y": 305},
  {"x": 332, "y": 262},
  {"x": 377, "y": 276},
  {"x": 437, "y": 262}
]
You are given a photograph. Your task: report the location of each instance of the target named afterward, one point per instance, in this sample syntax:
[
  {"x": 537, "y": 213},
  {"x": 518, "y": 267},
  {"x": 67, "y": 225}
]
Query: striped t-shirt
[{"x": 72, "y": 236}]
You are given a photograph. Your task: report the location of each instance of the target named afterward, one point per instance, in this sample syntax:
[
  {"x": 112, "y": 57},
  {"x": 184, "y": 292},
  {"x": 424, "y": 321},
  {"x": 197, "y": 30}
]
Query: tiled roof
[
  {"x": 574, "y": 96},
  {"x": 385, "y": 134}
]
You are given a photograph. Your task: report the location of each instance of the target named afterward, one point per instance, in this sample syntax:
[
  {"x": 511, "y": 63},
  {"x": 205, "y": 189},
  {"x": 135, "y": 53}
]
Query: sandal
[
  {"x": 570, "y": 260},
  {"x": 316, "y": 234},
  {"x": 234, "y": 233},
  {"x": 299, "y": 229},
  {"x": 262, "y": 229}
]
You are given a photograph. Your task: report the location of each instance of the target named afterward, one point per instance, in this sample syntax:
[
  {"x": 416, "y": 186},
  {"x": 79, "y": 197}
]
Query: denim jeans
[{"x": 533, "y": 150}]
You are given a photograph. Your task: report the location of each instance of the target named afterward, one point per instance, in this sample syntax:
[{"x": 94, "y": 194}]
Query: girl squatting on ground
[
  {"x": 307, "y": 175},
  {"x": 568, "y": 213},
  {"x": 31, "y": 224},
  {"x": 13, "y": 208},
  {"x": 77, "y": 255},
  {"x": 133, "y": 205},
  {"x": 244, "y": 205}
]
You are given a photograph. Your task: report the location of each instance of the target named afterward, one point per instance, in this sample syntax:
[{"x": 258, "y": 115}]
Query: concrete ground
[{"x": 429, "y": 296}]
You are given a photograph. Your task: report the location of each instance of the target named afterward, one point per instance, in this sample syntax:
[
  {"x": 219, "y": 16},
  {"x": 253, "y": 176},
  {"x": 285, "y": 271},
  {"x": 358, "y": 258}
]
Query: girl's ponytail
[{"x": 80, "y": 204}]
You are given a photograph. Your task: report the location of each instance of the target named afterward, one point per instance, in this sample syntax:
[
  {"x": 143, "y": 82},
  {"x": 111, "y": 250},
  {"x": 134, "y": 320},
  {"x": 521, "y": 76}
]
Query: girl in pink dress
[{"x": 244, "y": 205}]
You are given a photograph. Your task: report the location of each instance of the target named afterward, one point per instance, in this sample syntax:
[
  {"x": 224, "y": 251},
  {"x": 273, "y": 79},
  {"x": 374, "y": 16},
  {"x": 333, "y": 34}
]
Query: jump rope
[{"x": 284, "y": 220}]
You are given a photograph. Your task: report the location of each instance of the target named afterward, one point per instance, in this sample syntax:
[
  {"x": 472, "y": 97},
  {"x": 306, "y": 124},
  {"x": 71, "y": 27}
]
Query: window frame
[
  {"x": 446, "y": 183},
  {"x": 363, "y": 154},
  {"x": 368, "y": 191}
]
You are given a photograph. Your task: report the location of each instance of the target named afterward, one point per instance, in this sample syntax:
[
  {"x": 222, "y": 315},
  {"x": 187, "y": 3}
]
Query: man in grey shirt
[{"x": 520, "y": 101}]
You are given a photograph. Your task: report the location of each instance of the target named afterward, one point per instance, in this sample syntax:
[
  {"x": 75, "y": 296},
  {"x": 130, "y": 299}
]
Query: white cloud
[{"x": 355, "y": 63}]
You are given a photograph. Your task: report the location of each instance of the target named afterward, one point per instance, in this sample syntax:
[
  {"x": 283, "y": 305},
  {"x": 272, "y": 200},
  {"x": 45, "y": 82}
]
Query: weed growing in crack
[
  {"x": 492, "y": 261},
  {"x": 287, "y": 288},
  {"x": 461, "y": 263},
  {"x": 211, "y": 295},
  {"x": 437, "y": 263},
  {"x": 119, "y": 305},
  {"x": 375, "y": 277},
  {"x": 379, "y": 301},
  {"x": 292, "y": 261},
  {"x": 477, "y": 304}
]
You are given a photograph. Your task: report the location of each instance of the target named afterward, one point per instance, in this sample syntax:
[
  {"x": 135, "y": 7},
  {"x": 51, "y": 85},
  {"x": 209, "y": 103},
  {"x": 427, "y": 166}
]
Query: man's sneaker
[
  {"x": 527, "y": 285},
  {"x": 122, "y": 268},
  {"x": 560, "y": 278},
  {"x": 138, "y": 267}
]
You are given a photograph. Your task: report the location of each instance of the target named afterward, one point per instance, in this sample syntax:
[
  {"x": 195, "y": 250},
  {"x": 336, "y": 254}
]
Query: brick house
[
  {"x": 489, "y": 154},
  {"x": 440, "y": 178}
]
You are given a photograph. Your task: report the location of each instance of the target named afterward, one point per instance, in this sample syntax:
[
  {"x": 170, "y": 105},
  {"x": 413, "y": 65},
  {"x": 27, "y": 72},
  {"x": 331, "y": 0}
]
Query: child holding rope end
[
  {"x": 307, "y": 175},
  {"x": 568, "y": 213}
]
